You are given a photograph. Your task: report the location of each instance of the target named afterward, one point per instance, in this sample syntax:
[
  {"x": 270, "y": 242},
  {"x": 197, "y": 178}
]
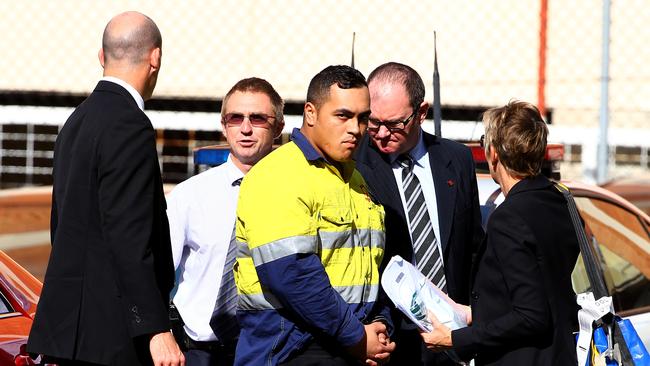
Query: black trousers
[
  {"x": 197, "y": 357},
  {"x": 321, "y": 353},
  {"x": 411, "y": 350}
]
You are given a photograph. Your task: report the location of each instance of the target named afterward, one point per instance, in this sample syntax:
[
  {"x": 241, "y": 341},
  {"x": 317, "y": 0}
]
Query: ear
[
  {"x": 493, "y": 156},
  {"x": 155, "y": 57},
  {"x": 422, "y": 111},
  {"x": 224, "y": 130},
  {"x": 278, "y": 127},
  {"x": 100, "y": 55},
  {"x": 311, "y": 113}
]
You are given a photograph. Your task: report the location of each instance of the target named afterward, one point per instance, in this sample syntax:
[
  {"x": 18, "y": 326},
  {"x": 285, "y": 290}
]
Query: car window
[
  {"x": 4, "y": 305},
  {"x": 624, "y": 246}
]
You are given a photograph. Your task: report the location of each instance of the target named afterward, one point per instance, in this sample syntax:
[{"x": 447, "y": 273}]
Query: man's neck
[
  {"x": 244, "y": 168},
  {"x": 137, "y": 96},
  {"x": 129, "y": 76}
]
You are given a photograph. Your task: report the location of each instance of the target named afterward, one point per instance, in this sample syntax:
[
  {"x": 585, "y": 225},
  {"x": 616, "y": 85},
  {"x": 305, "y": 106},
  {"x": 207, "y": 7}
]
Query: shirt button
[{"x": 474, "y": 295}]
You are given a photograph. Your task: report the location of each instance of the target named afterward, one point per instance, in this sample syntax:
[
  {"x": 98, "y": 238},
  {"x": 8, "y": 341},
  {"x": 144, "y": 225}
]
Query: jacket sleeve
[
  {"x": 477, "y": 228},
  {"x": 127, "y": 197},
  {"x": 177, "y": 216},
  {"x": 300, "y": 283},
  {"x": 381, "y": 311},
  {"x": 54, "y": 218},
  {"x": 515, "y": 250},
  {"x": 279, "y": 229}
]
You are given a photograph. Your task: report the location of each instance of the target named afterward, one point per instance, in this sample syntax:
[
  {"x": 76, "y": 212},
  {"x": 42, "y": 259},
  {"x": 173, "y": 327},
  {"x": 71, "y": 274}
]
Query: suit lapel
[
  {"x": 385, "y": 188},
  {"x": 444, "y": 180}
]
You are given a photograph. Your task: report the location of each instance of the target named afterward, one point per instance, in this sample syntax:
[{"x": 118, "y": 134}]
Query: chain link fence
[{"x": 488, "y": 53}]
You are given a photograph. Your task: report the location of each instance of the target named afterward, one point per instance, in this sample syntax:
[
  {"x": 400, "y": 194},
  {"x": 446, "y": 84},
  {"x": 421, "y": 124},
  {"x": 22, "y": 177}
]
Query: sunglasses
[
  {"x": 255, "y": 119},
  {"x": 393, "y": 126}
]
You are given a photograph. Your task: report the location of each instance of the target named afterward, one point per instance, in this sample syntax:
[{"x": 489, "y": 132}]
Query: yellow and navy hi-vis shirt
[{"x": 310, "y": 244}]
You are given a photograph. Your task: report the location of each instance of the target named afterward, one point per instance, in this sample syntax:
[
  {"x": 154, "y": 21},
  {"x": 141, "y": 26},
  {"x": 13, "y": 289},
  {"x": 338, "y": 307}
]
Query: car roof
[{"x": 487, "y": 186}]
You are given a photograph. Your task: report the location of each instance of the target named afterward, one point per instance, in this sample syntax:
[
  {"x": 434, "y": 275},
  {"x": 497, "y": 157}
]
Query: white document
[{"x": 414, "y": 295}]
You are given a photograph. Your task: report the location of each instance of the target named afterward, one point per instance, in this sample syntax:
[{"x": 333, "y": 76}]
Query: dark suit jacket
[
  {"x": 459, "y": 214},
  {"x": 110, "y": 270},
  {"x": 523, "y": 306}
]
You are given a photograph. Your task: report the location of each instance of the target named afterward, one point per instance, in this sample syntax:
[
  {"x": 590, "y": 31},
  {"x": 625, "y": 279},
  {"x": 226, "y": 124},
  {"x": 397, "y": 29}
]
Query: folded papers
[{"x": 414, "y": 295}]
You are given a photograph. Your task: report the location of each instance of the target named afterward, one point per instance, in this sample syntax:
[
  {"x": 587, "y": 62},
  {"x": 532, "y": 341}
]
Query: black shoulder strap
[{"x": 594, "y": 272}]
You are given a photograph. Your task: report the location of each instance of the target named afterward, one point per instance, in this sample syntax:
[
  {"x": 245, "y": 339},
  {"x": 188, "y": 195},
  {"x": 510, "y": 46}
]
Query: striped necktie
[
  {"x": 428, "y": 258},
  {"x": 224, "y": 320}
]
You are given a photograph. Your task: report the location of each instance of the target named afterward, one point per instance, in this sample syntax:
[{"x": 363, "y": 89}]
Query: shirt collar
[
  {"x": 312, "y": 155},
  {"x": 233, "y": 172},
  {"x": 134, "y": 93},
  {"x": 305, "y": 146}
]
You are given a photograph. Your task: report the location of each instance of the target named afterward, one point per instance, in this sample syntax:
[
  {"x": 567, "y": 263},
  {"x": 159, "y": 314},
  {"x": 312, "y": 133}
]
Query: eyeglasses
[
  {"x": 255, "y": 119},
  {"x": 393, "y": 126},
  {"x": 482, "y": 140}
]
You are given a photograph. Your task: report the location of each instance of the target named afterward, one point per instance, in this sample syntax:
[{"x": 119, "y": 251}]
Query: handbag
[{"x": 613, "y": 340}]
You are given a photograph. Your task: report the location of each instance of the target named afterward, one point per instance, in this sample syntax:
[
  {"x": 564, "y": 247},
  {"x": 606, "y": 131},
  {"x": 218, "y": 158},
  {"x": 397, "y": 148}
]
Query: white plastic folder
[{"x": 414, "y": 295}]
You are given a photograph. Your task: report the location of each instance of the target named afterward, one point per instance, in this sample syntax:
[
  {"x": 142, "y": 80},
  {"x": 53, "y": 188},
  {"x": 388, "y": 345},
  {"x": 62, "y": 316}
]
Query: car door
[{"x": 621, "y": 237}]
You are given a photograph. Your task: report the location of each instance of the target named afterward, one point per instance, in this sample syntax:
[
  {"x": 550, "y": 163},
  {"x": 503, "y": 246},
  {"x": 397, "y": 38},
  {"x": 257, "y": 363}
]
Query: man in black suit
[
  {"x": 523, "y": 305},
  {"x": 427, "y": 185},
  {"x": 106, "y": 290}
]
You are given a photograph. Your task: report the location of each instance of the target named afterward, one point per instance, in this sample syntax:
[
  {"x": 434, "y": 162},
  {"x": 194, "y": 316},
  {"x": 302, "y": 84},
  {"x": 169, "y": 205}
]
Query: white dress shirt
[
  {"x": 134, "y": 93},
  {"x": 201, "y": 213},
  {"x": 422, "y": 170}
]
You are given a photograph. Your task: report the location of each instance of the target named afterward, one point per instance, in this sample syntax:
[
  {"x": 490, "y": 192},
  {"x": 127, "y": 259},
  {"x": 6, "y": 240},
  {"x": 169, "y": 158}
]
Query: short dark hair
[
  {"x": 345, "y": 77},
  {"x": 518, "y": 134},
  {"x": 257, "y": 85},
  {"x": 403, "y": 74}
]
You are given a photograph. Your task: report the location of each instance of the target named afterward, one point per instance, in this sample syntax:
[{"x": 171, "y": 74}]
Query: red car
[{"x": 19, "y": 294}]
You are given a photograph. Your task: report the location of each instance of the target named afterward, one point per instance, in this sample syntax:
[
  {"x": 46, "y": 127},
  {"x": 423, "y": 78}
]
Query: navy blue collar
[{"x": 305, "y": 146}]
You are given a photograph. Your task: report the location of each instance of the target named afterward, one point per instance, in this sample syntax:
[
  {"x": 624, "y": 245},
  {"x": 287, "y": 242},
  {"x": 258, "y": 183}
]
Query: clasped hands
[{"x": 375, "y": 347}]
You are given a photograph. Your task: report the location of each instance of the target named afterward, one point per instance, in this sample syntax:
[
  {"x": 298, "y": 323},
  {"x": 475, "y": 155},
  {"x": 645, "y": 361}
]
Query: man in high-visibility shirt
[{"x": 311, "y": 240}]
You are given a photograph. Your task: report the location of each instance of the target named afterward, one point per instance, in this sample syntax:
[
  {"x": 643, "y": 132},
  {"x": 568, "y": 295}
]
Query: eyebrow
[
  {"x": 389, "y": 122},
  {"x": 349, "y": 112},
  {"x": 343, "y": 110},
  {"x": 243, "y": 113}
]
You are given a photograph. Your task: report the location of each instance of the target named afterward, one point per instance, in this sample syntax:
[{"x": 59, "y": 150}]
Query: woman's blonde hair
[{"x": 518, "y": 134}]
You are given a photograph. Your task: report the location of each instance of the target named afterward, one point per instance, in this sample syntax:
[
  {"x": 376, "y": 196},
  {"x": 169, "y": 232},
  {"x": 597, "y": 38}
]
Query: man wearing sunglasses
[
  {"x": 427, "y": 185},
  {"x": 201, "y": 214}
]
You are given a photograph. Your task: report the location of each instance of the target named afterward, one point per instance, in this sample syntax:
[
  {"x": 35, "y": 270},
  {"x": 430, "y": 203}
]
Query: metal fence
[{"x": 544, "y": 51}]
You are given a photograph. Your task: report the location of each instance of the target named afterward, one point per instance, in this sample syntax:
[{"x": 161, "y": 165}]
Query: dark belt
[
  {"x": 210, "y": 346},
  {"x": 186, "y": 343}
]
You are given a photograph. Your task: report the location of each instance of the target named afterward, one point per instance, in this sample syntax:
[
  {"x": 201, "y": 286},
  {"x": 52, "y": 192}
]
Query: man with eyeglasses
[
  {"x": 427, "y": 185},
  {"x": 201, "y": 214}
]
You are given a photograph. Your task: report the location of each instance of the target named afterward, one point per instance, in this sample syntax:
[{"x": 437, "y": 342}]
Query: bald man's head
[{"x": 129, "y": 37}]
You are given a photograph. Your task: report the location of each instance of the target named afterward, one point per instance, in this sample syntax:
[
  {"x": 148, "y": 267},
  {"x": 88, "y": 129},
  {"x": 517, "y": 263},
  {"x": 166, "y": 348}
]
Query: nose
[
  {"x": 383, "y": 132},
  {"x": 246, "y": 128},
  {"x": 354, "y": 126}
]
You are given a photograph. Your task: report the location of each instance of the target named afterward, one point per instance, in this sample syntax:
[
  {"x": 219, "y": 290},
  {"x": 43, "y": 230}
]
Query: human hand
[
  {"x": 439, "y": 339},
  {"x": 165, "y": 351},
  {"x": 381, "y": 355},
  {"x": 375, "y": 343}
]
